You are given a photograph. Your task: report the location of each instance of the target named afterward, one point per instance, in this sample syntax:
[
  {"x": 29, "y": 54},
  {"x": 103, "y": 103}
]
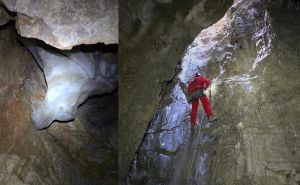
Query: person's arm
[{"x": 206, "y": 83}]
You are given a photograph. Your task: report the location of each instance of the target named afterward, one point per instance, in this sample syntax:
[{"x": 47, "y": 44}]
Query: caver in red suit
[{"x": 195, "y": 88}]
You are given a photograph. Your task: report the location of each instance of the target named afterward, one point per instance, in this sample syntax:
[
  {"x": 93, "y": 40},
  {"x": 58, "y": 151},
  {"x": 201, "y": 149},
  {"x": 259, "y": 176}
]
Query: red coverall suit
[{"x": 199, "y": 82}]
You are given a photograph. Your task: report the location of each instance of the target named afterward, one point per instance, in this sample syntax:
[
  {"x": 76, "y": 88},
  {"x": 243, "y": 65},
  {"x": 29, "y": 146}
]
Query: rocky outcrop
[
  {"x": 71, "y": 77},
  {"x": 4, "y": 16},
  {"x": 64, "y": 24},
  {"x": 249, "y": 54},
  {"x": 80, "y": 152},
  {"x": 153, "y": 37}
]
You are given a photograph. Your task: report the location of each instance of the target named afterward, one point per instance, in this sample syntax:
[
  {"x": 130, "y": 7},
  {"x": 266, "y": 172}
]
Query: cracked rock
[{"x": 64, "y": 24}]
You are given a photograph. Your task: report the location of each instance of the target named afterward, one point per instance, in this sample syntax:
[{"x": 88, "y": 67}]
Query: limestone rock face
[
  {"x": 252, "y": 59},
  {"x": 82, "y": 152},
  {"x": 64, "y": 24},
  {"x": 71, "y": 76},
  {"x": 153, "y": 37}
]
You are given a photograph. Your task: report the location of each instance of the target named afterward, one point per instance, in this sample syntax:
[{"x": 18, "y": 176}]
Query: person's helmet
[{"x": 197, "y": 74}]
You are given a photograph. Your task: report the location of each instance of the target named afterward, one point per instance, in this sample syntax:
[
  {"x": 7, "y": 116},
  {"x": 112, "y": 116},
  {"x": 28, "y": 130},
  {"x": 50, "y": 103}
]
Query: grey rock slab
[
  {"x": 64, "y": 24},
  {"x": 171, "y": 141}
]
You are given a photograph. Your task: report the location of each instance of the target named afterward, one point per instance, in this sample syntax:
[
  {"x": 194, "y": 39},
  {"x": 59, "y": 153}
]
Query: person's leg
[
  {"x": 206, "y": 106},
  {"x": 194, "y": 111}
]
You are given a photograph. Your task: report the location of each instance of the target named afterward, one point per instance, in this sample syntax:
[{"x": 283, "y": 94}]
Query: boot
[{"x": 213, "y": 118}]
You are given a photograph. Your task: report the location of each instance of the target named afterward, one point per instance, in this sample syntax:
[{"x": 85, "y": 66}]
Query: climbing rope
[{"x": 198, "y": 133}]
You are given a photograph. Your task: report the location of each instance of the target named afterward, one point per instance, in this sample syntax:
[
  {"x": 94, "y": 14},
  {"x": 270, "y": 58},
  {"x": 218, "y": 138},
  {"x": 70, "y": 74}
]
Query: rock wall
[
  {"x": 64, "y": 24},
  {"x": 80, "y": 152},
  {"x": 83, "y": 151},
  {"x": 153, "y": 37},
  {"x": 252, "y": 57},
  {"x": 71, "y": 77},
  {"x": 5, "y": 17}
]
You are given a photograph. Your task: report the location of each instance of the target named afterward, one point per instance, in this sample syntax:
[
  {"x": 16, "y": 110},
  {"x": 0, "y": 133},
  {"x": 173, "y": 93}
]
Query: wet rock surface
[
  {"x": 80, "y": 152},
  {"x": 153, "y": 37},
  {"x": 71, "y": 77},
  {"x": 251, "y": 56},
  {"x": 64, "y": 24}
]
